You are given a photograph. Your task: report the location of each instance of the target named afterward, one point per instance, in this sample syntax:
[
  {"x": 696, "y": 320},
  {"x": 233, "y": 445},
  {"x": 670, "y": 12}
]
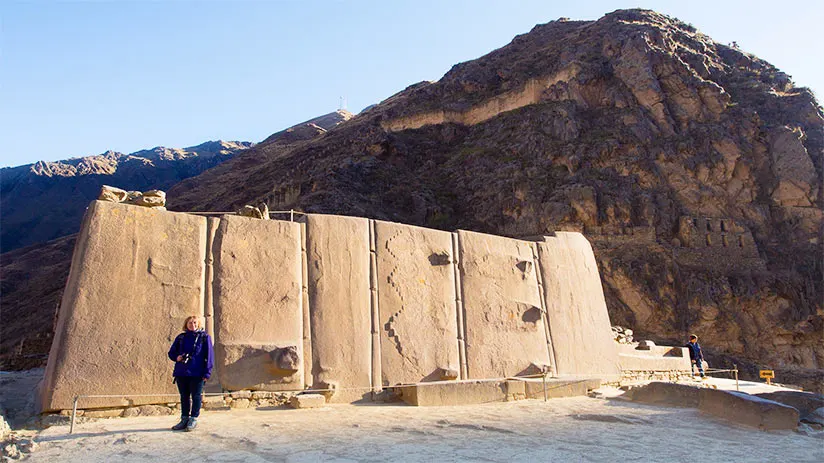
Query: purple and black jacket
[{"x": 202, "y": 354}]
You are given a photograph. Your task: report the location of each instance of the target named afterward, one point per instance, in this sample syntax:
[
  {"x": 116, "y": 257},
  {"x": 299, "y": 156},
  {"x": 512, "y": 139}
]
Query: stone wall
[
  {"x": 722, "y": 235},
  {"x": 344, "y": 304},
  {"x": 718, "y": 243}
]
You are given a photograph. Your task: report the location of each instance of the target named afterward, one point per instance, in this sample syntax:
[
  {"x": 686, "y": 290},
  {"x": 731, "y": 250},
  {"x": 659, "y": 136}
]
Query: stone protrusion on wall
[
  {"x": 505, "y": 332},
  {"x": 416, "y": 298},
  {"x": 337, "y": 252},
  {"x": 137, "y": 273},
  {"x": 258, "y": 302},
  {"x": 578, "y": 320}
]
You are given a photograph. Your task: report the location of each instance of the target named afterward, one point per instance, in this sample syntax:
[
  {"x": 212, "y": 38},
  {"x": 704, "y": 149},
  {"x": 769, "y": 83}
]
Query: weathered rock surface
[
  {"x": 258, "y": 303},
  {"x": 671, "y": 394},
  {"x": 505, "y": 330},
  {"x": 164, "y": 247},
  {"x": 576, "y": 311},
  {"x": 416, "y": 298},
  {"x": 337, "y": 253},
  {"x": 748, "y": 409},
  {"x": 804, "y": 402}
]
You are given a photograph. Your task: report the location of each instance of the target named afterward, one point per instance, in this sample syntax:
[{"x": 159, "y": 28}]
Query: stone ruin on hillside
[{"x": 342, "y": 303}]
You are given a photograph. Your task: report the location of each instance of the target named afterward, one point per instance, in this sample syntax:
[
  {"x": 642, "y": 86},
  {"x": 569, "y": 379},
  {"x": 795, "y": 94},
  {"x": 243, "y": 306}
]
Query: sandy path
[{"x": 573, "y": 429}]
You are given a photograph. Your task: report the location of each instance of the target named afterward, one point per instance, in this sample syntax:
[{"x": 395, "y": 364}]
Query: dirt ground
[{"x": 573, "y": 429}]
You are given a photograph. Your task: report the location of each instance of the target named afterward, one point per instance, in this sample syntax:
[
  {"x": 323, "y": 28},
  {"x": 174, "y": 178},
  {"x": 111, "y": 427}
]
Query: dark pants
[
  {"x": 191, "y": 390},
  {"x": 699, "y": 364}
]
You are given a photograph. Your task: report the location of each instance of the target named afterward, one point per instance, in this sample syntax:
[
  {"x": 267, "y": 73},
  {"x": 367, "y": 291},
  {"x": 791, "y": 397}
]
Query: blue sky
[{"x": 80, "y": 78}]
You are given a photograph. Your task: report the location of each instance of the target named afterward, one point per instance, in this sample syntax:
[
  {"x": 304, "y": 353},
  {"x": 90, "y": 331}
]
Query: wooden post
[
  {"x": 74, "y": 413},
  {"x": 735, "y": 367},
  {"x": 544, "y": 380}
]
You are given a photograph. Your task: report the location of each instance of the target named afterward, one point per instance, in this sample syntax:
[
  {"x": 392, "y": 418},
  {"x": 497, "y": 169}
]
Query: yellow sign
[{"x": 768, "y": 374}]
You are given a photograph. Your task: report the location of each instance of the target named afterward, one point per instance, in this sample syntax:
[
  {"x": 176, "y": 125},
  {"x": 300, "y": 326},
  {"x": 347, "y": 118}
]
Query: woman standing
[{"x": 194, "y": 358}]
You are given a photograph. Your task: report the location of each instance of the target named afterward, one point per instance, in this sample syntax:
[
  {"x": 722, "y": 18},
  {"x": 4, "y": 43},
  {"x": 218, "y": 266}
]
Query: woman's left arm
[{"x": 210, "y": 356}]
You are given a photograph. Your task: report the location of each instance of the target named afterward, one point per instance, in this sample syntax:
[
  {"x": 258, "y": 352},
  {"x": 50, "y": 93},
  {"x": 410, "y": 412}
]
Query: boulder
[
  {"x": 804, "y": 402},
  {"x": 112, "y": 194},
  {"x": 261, "y": 212},
  {"x": 645, "y": 345},
  {"x": 747, "y": 409},
  {"x": 151, "y": 198},
  {"x": 661, "y": 393},
  {"x": 814, "y": 417}
]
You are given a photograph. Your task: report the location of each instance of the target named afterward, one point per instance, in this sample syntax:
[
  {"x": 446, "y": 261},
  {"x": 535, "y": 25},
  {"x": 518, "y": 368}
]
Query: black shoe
[
  {"x": 182, "y": 425},
  {"x": 192, "y": 424}
]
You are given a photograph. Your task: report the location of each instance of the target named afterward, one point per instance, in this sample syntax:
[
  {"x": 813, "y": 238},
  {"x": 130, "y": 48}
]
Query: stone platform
[{"x": 439, "y": 393}]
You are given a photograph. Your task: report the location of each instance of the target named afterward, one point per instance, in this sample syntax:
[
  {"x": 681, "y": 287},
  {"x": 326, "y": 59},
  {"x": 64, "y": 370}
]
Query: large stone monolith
[
  {"x": 136, "y": 274},
  {"x": 416, "y": 297},
  {"x": 337, "y": 253},
  {"x": 258, "y": 303},
  {"x": 577, "y": 312},
  {"x": 505, "y": 334}
]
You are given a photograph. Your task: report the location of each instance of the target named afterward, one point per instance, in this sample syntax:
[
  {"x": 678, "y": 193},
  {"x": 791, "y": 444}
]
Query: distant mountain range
[{"x": 46, "y": 200}]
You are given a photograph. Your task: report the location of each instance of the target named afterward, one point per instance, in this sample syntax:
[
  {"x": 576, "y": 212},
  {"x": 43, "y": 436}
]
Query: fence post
[
  {"x": 544, "y": 381},
  {"x": 735, "y": 368},
  {"x": 74, "y": 413}
]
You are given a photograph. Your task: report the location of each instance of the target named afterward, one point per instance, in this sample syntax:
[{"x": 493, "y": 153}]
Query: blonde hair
[{"x": 192, "y": 317}]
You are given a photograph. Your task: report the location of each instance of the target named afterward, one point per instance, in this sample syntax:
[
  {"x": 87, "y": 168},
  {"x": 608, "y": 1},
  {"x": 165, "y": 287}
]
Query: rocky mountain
[
  {"x": 693, "y": 167},
  {"x": 209, "y": 190},
  {"x": 49, "y": 199},
  {"x": 46, "y": 200}
]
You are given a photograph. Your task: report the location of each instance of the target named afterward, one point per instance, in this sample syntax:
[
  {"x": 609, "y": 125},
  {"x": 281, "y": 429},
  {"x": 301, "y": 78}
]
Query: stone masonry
[{"x": 343, "y": 304}]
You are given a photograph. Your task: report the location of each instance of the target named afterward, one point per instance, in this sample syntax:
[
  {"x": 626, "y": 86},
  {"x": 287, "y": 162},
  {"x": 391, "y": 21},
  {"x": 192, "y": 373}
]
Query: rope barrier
[{"x": 207, "y": 213}]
